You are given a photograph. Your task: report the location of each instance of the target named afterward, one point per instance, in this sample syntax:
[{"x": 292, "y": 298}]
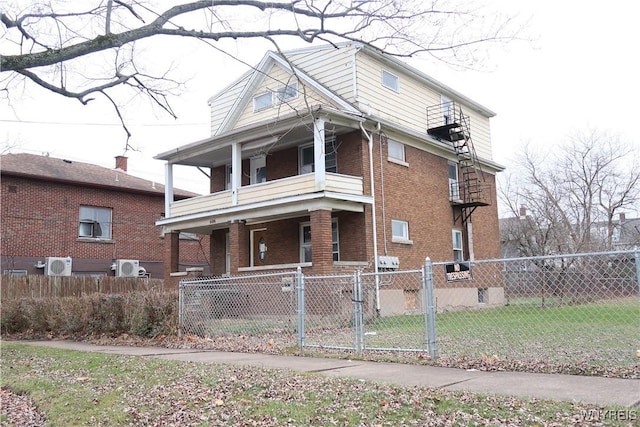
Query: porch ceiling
[{"x": 273, "y": 135}]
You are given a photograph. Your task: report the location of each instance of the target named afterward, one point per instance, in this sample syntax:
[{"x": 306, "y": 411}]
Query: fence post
[
  {"x": 358, "y": 323},
  {"x": 300, "y": 306},
  {"x": 430, "y": 308},
  {"x": 180, "y": 308},
  {"x": 637, "y": 257}
]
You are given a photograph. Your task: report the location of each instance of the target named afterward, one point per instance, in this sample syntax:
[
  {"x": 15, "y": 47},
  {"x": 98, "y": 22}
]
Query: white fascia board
[{"x": 257, "y": 76}]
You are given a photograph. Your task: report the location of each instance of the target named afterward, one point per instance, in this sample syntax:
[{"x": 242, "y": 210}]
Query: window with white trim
[
  {"x": 458, "y": 250},
  {"x": 95, "y": 223},
  {"x": 307, "y": 160},
  {"x": 305, "y": 241},
  {"x": 395, "y": 150},
  {"x": 286, "y": 93},
  {"x": 399, "y": 231},
  {"x": 390, "y": 81},
  {"x": 262, "y": 101},
  {"x": 454, "y": 184}
]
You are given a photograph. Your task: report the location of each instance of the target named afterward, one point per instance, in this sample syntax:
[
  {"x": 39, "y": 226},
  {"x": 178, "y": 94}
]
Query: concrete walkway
[{"x": 589, "y": 390}]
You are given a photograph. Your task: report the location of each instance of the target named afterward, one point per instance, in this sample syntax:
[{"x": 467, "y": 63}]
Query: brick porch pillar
[
  {"x": 238, "y": 246},
  {"x": 321, "y": 241},
  {"x": 171, "y": 254}
]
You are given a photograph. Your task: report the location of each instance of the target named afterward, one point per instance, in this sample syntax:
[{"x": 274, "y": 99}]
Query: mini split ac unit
[
  {"x": 56, "y": 266},
  {"x": 127, "y": 267}
]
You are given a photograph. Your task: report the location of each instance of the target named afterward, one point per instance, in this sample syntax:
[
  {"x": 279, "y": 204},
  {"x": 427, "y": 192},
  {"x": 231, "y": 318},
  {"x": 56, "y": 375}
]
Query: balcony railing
[{"x": 269, "y": 191}]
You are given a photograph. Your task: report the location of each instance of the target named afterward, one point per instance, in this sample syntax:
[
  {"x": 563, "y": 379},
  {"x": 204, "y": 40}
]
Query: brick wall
[{"x": 40, "y": 219}]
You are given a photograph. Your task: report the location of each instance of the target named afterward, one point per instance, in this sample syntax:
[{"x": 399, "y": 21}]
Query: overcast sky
[{"x": 582, "y": 69}]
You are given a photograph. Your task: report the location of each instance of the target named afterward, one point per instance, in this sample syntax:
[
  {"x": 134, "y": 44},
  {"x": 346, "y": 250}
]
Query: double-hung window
[
  {"x": 458, "y": 250},
  {"x": 95, "y": 222},
  {"x": 305, "y": 241},
  {"x": 307, "y": 160},
  {"x": 395, "y": 151},
  {"x": 454, "y": 184}
]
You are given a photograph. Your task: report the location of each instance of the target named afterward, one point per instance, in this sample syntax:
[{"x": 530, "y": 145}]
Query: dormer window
[
  {"x": 262, "y": 101},
  {"x": 287, "y": 93},
  {"x": 390, "y": 81}
]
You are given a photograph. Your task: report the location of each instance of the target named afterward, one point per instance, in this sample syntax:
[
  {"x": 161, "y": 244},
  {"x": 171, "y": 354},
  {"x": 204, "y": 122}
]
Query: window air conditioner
[
  {"x": 127, "y": 267},
  {"x": 57, "y": 266}
]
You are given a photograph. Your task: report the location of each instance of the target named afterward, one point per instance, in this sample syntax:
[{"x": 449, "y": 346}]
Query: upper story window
[
  {"x": 458, "y": 250},
  {"x": 390, "y": 81},
  {"x": 95, "y": 223},
  {"x": 262, "y": 101},
  {"x": 287, "y": 93},
  {"x": 307, "y": 160},
  {"x": 227, "y": 174},
  {"x": 454, "y": 184},
  {"x": 446, "y": 107},
  {"x": 400, "y": 231},
  {"x": 396, "y": 151}
]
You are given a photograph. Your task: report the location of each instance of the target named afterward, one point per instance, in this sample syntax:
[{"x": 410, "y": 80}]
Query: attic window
[
  {"x": 390, "y": 81},
  {"x": 287, "y": 93},
  {"x": 262, "y": 101}
]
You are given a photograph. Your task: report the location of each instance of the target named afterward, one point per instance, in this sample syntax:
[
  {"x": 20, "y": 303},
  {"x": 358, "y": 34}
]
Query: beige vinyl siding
[
  {"x": 333, "y": 68},
  {"x": 275, "y": 79},
  {"x": 223, "y": 103},
  {"x": 407, "y": 106}
]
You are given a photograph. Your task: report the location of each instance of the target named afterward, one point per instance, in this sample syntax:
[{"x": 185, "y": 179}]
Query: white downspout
[{"x": 373, "y": 215}]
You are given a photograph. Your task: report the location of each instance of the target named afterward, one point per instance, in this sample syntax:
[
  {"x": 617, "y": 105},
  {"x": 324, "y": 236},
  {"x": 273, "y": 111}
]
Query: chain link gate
[{"x": 564, "y": 308}]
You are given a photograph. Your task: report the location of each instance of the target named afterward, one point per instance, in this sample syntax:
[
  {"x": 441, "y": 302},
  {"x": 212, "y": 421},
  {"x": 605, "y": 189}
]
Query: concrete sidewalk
[{"x": 589, "y": 390}]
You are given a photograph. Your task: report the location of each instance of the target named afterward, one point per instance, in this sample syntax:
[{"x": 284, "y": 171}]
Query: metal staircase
[{"x": 449, "y": 124}]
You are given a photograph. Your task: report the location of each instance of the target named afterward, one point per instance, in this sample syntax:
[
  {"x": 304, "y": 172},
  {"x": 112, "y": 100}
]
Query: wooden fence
[{"x": 36, "y": 286}]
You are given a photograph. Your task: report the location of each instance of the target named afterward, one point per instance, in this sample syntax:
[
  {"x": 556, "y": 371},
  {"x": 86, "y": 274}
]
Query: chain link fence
[{"x": 568, "y": 308}]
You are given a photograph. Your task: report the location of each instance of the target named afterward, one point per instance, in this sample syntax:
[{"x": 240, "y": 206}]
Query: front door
[{"x": 260, "y": 247}]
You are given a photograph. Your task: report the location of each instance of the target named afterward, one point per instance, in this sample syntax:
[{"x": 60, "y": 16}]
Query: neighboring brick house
[
  {"x": 371, "y": 157},
  {"x": 62, "y": 217}
]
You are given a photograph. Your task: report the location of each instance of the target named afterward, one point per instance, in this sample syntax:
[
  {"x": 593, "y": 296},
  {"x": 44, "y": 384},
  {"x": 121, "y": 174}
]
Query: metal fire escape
[{"x": 448, "y": 123}]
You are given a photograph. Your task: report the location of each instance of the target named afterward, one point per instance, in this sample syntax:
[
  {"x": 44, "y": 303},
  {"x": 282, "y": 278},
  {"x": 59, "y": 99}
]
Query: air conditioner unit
[
  {"x": 127, "y": 267},
  {"x": 57, "y": 266}
]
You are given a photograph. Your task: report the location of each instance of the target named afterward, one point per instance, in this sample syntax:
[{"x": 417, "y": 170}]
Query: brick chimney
[
  {"x": 622, "y": 219},
  {"x": 523, "y": 211},
  {"x": 121, "y": 163}
]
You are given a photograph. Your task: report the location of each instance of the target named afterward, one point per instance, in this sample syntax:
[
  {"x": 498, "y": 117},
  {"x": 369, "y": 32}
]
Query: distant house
[
  {"x": 61, "y": 217},
  {"x": 334, "y": 158}
]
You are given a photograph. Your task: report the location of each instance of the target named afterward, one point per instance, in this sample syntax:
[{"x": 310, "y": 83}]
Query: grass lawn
[
  {"x": 75, "y": 388},
  {"x": 605, "y": 333}
]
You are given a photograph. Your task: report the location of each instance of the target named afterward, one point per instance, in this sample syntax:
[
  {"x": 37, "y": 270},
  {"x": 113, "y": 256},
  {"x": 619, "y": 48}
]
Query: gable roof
[
  {"x": 257, "y": 76},
  {"x": 85, "y": 174}
]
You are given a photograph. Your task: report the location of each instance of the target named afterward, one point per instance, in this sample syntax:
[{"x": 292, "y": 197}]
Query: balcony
[{"x": 268, "y": 200}]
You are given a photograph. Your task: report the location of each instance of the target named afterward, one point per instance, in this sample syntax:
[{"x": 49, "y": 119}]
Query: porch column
[
  {"x": 321, "y": 241},
  {"x": 238, "y": 246},
  {"x": 318, "y": 153},
  {"x": 236, "y": 171},
  {"x": 171, "y": 253},
  {"x": 168, "y": 189}
]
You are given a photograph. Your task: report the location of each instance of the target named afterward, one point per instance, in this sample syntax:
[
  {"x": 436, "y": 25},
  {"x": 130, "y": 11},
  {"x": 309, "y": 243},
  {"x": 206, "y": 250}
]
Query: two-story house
[
  {"x": 63, "y": 218},
  {"x": 334, "y": 158}
]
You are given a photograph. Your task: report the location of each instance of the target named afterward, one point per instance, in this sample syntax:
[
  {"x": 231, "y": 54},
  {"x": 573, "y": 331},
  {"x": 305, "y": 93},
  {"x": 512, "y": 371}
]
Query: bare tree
[
  {"x": 83, "y": 49},
  {"x": 572, "y": 195}
]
